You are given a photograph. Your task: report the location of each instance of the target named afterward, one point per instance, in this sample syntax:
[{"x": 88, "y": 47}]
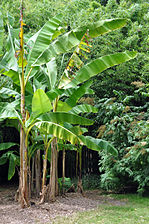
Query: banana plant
[{"x": 45, "y": 46}]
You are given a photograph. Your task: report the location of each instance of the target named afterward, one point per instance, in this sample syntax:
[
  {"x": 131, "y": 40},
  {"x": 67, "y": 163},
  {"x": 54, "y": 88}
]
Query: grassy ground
[{"x": 131, "y": 209}]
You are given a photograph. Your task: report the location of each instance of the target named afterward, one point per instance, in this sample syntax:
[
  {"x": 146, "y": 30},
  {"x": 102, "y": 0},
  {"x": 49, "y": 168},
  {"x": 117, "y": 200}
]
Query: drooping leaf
[
  {"x": 57, "y": 131},
  {"x": 61, "y": 117},
  {"x": 98, "y": 144},
  {"x": 99, "y": 65},
  {"x": 71, "y": 39},
  {"x": 40, "y": 103},
  {"x": 7, "y": 145},
  {"x": 102, "y": 27}
]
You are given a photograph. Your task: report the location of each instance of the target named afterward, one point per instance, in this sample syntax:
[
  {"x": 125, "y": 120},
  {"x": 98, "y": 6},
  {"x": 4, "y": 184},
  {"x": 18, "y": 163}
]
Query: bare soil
[{"x": 11, "y": 212}]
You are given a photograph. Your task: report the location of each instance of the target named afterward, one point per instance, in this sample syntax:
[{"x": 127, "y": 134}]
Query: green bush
[{"x": 127, "y": 127}]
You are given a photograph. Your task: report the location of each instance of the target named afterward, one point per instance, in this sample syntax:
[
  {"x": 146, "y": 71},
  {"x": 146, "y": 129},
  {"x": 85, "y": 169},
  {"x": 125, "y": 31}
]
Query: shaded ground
[{"x": 10, "y": 211}]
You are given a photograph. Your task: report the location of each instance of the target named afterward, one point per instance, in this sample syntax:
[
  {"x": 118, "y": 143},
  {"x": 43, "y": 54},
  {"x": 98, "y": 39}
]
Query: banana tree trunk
[
  {"x": 53, "y": 185},
  {"x": 44, "y": 188},
  {"x": 37, "y": 172},
  {"x": 23, "y": 186},
  {"x": 32, "y": 174},
  {"x": 79, "y": 186},
  {"x": 63, "y": 175}
]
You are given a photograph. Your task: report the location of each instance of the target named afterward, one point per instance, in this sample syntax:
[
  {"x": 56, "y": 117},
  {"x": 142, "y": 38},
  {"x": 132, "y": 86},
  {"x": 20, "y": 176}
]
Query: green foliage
[
  {"x": 11, "y": 156},
  {"x": 126, "y": 127},
  {"x": 66, "y": 185}
]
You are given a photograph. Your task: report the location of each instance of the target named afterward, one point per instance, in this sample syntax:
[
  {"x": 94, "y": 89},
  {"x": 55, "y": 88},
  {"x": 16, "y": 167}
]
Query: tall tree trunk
[{"x": 23, "y": 186}]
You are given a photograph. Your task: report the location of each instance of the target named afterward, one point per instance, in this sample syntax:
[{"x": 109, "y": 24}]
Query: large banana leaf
[
  {"x": 102, "y": 27},
  {"x": 44, "y": 38},
  {"x": 98, "y": 144},
  {"x": 78, "y": 93},
  {"x": 99, "y": 65},
  {"x": 1, "y": 33},
  {"x": 83, "y": 108},
  {"x": 61, "y": 117},
  {"x": 40, "y": 103},
  {"x": 57, "y": 131},
  {"x": 71, "y": 39}
]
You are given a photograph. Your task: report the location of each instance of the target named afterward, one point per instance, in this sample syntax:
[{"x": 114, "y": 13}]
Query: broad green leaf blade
[
  {"x": 44, "y": 38},
  {"x": 7, "y": 145},
  {"x": 40, "y": 103},
  {"x": 63, "y": 107},
  {"x": 52, "y": 73},
  {"x": 71, "y": 39},
  {"x": 99, "y": 65},
  {"x": 102, "y": 27},
  {"x": 78, "y": 93},
  {"x": 83, "y": 108},
  {"x": 3, "y": 159},
  {"x": 61, "y": 117},
  {"x": 98, "y": 144},
  {"x": 1, "y": 33},
  {"x": 12, "y": 164},
  {"x": 57, "y": 131}
]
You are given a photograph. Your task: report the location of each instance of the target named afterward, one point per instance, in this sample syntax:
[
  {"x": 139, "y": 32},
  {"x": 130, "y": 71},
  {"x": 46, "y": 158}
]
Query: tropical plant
[{"x": 45, "y": 45}]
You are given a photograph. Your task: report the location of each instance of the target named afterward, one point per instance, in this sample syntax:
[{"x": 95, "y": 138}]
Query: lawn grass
[{"x": 135, "y": 210}]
